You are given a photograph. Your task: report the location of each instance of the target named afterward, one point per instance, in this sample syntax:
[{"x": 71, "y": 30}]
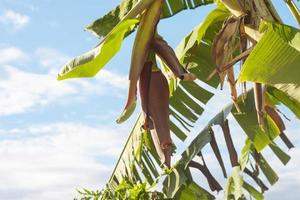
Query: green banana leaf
[
  {"x": 184, "y": 109},
  {"x": 102, "y": 26},
  {"x": 88, "y": 64},
  {"x": 248, "y": 122},
  {"x": 275, "y": 60},
  {"x": 128, "y": 155},
  {"x": 177, "y": 176},
  {"x": 216, "y": 16},
  {"x": 277, "y": 96},
  {"x": 192, "y": 191},
  {"x": 252, "y": 191},
  {"x": 267, "y": 170}
]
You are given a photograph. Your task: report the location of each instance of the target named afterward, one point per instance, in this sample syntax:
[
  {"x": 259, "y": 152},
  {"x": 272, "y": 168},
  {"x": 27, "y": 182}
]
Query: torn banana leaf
[
  {"x": 89, "y": 64},
  {"x": 178, "y": 175},
  {"x": 252, "y": 191},
  {"x": 265, "y": 167},
  {"x": 282, "y": 156},
  {"x": 248, "y": 122},
  {"x": 128, "y": 154},
  {"x": 275, "y": 60}
]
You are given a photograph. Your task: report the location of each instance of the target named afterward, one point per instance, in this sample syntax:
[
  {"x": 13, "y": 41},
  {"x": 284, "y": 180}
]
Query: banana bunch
[{"x": 153, "y": 85}]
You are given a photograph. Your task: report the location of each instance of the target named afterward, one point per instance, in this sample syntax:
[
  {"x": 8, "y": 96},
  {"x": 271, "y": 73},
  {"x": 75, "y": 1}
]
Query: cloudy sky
[{"x": 56, "y": 137}]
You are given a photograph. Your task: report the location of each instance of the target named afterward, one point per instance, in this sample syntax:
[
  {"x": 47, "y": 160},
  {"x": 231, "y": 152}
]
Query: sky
[{"x": 56, "y": 137}]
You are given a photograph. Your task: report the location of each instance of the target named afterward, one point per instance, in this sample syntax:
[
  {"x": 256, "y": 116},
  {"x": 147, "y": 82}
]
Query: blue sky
[{"x": 59, "y": 136}]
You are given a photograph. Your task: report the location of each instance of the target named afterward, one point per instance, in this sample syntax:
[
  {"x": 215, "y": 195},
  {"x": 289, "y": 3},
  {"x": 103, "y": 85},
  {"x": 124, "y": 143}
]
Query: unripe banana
[{"x": 145, "y": 33}]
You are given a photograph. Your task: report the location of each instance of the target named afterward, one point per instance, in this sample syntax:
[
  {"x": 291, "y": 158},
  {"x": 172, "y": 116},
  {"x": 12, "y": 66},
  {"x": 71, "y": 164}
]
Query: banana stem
[
  {"x": 294, "y": 10},
  {"x": 252, "y": 34}
]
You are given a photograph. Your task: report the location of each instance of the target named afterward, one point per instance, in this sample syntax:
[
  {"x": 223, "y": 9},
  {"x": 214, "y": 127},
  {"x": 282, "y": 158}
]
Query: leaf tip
[{"x": 126, "y": 113}]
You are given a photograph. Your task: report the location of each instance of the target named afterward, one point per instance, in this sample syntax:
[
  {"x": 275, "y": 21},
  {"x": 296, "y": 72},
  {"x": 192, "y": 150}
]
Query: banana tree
[{"x": 242, "y": 37}]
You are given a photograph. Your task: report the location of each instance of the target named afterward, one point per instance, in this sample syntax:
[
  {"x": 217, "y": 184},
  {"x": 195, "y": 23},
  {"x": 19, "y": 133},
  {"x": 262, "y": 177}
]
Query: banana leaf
[
  {"x": 248, "y": 122},
  {"x": 277, "y": 97},
  {"x": 177, "y": 177},
  {"x": 275, "y": 60},
  {"x": 88, "y": 64},
  {"x": 192, "y": 191},
  {"x": 128, "y": 155}
]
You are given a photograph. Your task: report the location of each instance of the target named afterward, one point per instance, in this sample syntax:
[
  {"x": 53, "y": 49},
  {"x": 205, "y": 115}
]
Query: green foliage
[
  {"x": 126, "y": 190},
  {"x": 274, "y": 62},
  {"x": 278, "y": 56},
  {"x": 88, "y": 64}
]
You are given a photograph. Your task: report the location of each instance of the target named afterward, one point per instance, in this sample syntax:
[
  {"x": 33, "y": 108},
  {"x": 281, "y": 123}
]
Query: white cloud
[
  {"x": 113, "y": 79},
  {"x": 13, "y": 21},
  {"x": 289, "y": 179},
  {"x": 11, "y": 54},
  {"x": 51, "y": 161},
  {"x": 22, "y": 91},
  {"x": 51, "y": 58}
]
